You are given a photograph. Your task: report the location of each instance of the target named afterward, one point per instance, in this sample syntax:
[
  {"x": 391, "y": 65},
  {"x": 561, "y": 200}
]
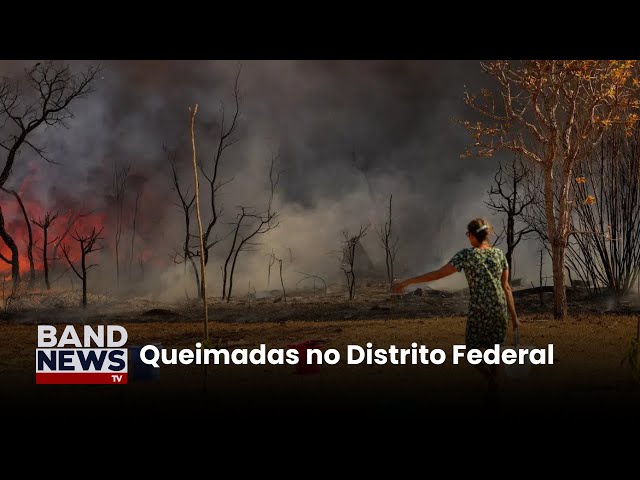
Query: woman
[{"x": 491, "y": 299}]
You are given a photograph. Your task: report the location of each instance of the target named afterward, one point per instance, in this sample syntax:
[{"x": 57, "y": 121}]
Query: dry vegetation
[
  {"x": 589, "y": 345},
  {"x": 371, "y": 302}
]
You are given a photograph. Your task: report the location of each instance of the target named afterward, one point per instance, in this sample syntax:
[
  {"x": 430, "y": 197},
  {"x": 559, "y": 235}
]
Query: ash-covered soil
[
  {"x": 588, "y": 377},
  {"x": 371, "y": 303}
]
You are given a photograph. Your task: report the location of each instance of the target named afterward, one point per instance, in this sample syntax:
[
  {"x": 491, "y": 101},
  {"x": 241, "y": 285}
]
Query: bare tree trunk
[
  {"x": 87, "y": 245},
  {"x": 118, "y": 250},
  {"x": 233, "y": 267},
  {"x": 187, "y": 253},
  {"x": 120, "y": 176},
  {"x": 352, "y": 287},
  {"x": 559, "y": 291},
  {"x": 389, "y": 244},
  {"x": 186, "y": 205},
  {"x": 226, "y": 263},
  {"x": 556, "y": 238},
  {"x": 510, "y": 242},
  {"x": 45, "y": 224},
  {"x": 262, "y": 223},
  {"x": 203, "y": 281},
  {"x": 45, "y": 261},
  {"x": 67, "y": 230},
  {"x": 83, "y": 266},
  {"x": 133, "y": 234},
  {"x": 284, "y": 293},
  {"x": 388, "y": 257},
  {"x": 540, "y": 289},
  {"x": 15, "y": 259},
  {"x": 32, "y": 269},
  {"x": 197, "y": 277},
  {"x": 272, "y": 259}
]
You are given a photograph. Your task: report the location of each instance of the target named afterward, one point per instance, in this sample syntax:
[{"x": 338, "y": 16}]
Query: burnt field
[
  {"x": 587, "y": 378},
  {"x": 371, "y": 303}
]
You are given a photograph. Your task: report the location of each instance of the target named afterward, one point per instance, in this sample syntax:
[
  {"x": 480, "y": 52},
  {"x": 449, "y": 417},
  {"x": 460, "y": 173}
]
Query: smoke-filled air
[
  {"x": 343, "y": 136},
  {"x": 321, "y": 207}
]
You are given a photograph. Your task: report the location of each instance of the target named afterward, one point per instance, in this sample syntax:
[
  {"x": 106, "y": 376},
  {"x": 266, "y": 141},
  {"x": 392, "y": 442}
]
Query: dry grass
[{"x": 588, "y": 348}]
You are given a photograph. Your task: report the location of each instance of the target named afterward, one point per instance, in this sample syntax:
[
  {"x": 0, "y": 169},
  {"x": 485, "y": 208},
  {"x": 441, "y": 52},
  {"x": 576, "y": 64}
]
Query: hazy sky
[{"x": 349, "y": 134}]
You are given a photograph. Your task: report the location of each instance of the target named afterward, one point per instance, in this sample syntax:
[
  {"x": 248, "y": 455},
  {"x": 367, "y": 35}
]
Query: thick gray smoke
[{"x": 349, "y": 133}]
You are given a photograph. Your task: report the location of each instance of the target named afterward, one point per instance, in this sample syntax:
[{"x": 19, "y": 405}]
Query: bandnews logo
[{"x": 96, "y": 357}]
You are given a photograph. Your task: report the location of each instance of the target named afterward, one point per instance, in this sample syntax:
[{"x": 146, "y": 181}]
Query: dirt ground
[
  {"x": 371, "y": 303},
  {"x": 588, "y": 347}
]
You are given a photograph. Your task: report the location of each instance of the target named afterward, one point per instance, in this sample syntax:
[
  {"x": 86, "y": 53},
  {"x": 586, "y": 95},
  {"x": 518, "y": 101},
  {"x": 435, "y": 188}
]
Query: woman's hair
[{"x": 479, "y": 228}]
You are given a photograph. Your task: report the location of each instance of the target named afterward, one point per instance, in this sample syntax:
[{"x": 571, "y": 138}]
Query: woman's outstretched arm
[{"x": 445, "y": 271}]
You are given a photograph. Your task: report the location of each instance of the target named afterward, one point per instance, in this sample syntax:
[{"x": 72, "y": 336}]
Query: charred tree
[
  {"x": 120, "y": 176},
  {"x": 11, "y": 244},
  {"x": 32, "y": 268},
  {"x": 249, "y": 225},
  {"x": 42, "y": 99},
  {"x": 87, "y": 244},
  {"x": 280, "y": 263},
  {"x": 272, "y": 261},
  {"x": 44, "y": 224},
  {"x": 284, "y": 292},
  {"x": 349, "y": 258},
  {"x": 133, "y": 233},
  {"x": 604, "y": 247},
  {"x": 509, "y": 196},
  {"x": 72, "y": 219},
  {"x": 389, "y": 244},
  {"x": 227, "y": 137},
  {"x": 186, "y": 205}
]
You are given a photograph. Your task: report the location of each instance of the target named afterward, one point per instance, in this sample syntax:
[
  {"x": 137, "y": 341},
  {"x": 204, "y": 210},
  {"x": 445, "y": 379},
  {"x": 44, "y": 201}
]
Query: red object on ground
[{"x": 302, "y": 367}]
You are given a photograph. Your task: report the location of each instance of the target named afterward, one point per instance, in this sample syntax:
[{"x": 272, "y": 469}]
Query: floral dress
[{"x": 487, "y": 321}]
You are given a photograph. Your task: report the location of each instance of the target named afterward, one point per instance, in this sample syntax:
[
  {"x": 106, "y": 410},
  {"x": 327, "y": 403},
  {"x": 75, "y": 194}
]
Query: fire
[
  {"x": 16, "y": 226},
  {"x": 77, "y": 216}
]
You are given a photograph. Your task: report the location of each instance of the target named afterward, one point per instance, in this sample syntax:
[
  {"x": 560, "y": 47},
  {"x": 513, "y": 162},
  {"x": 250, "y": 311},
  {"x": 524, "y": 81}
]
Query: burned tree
[
  {"x": 349, "y": 258},
  {"x": 249, "y": 225},
  {"x": 272, "y": 260},
  {"x": 226, "y": 139},
  {"x": 133, "y": 230},
  {"x": 186, "y": 205},
  {"x": 41, "y": 100},
  {"x": 252, "y": 224},
  {"x": 87, "y": 243},
  {"x": 71, "y": 221},
  {"x": 284, "y": 293},
  {"x": 604, "y": 248},
  {"x": 44, "y": 224},
  {"x": 32, "y": 269},
  {"x": 120, "y": 176},
  {"x": 13, "y": 248},
  {"x": 509, "y": 196},
  {"x": 553, "y": 113},
  {"x": 389, "y": 244}
]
